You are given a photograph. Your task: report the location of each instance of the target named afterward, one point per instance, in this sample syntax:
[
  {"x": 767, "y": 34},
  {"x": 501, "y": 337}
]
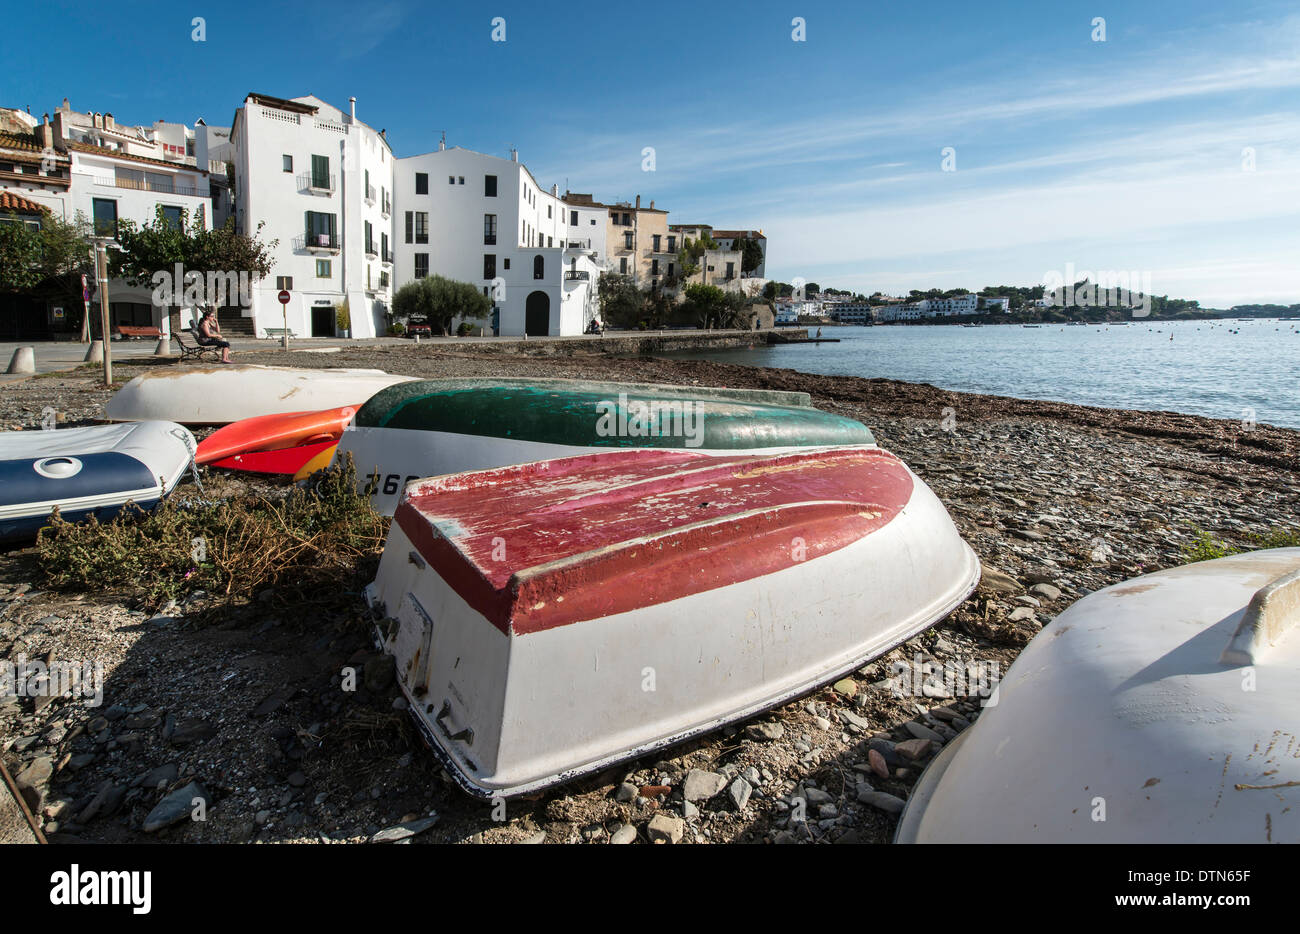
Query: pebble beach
[{"x": 242, "y": 702}]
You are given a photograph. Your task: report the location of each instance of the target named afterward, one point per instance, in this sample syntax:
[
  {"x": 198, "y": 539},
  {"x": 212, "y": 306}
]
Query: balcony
[
  {"x": 317, "y": 243},
  {"x": 578, "y": 244},
  {"x": 372, "y": 251},
  {"x": 576, "y": 275},
  {"x": 387, "y": 257},
  {"x": 489, "y": 239},
  {"x": 387, "y": 207},
  {"x": 370, "y": 194},
  {"x": 316, "y": 184},
  {"x": 135, "y": 184}
]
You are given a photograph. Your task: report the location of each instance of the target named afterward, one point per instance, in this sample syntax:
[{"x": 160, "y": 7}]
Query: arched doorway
[{"x": 537, "y": 315}]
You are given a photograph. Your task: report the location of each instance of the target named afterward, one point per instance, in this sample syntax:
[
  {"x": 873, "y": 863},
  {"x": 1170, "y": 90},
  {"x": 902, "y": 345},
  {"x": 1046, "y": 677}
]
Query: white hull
[
  {"x": 219, "y": 395},
  {"x": 1154, "y": 711},
  {"x": 547, "y": 706}
]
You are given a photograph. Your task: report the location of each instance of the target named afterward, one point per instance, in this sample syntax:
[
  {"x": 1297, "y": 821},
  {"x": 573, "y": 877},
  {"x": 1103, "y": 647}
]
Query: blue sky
[{"x": 1118, "y": 155}]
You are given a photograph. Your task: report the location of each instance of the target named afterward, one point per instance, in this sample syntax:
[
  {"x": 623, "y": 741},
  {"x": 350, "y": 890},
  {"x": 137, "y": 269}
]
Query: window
[
  {"x": 323, "y": 268},
  {"x": 370, "y": 238},
  {"x": 549, "y": 242},
  {"x": 489, "y": 229},
  {"x": 672, "y": 244},
  {"x": 421, "y": 183},
  {"x": 421, "y": 226},
  {"x": 105, "y": 213},
  {"x": 489, "y": 186},
  {"x": 573, "y": 218},
  {"x": 320, "y": 172},
  {"x": 386, "y": 255},
  {"x": 489, "y": 265},
  {"x": 172, "y": 216},
  {"x": 461, "y": 179},
  {"x": 670, "y": 269},
  {"x": 451, "y": 179},
  {"x": 622, "y": 265},
  {"x": 627, "y": 220},
  {"x": 421, "y": 265},
  {"x": 539, "y": 267},
  {"x": 731, "y": 270},
  {"x": 654, "y": 267},
  {"x": 284, "y": 283},
  {"x": 410, "y": 226},
  {"x": 656, "y": 240},
  {"x": 548, "y": 210},
  {"x": 322, "y": 229},
  {"x": 506, "y": 263},
  {"x": 288, "y": 163},
  {"x": 627, "y": 240}
]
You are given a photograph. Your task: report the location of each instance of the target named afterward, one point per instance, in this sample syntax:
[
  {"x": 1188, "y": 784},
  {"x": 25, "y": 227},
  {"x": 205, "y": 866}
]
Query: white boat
[
  {"x": 223, "y": 394},
  {"x": 433, "y": 427},
  {"x": 550, "y": 619},
  {"x": 1159, "y": 710},
  {"x": 87, "y": 471}
]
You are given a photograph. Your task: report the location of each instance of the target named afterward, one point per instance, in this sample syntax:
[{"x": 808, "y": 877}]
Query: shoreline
[{"x": 1057, "y": 497}]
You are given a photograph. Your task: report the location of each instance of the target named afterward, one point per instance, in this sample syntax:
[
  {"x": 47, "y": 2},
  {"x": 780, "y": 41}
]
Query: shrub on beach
[{"x": 312, "y": 542}]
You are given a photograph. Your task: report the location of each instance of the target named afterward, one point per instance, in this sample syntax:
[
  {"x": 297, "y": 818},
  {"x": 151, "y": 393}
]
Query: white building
[
  {"x": 849, "y": 312},
  {"x": 89, "y": 165},
  {"x": 726, "y": 240},
  {"x": 996, "y": 304},
  {"x": 485, "y": 219},
  {"x": 321, "y": 181}
]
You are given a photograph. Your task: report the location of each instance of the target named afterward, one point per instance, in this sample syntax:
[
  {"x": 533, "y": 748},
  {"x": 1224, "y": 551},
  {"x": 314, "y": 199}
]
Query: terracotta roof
[
  {"x": 733, "y": 234},
  {"x": 23, "y": 141},
  {"x": 19, "y": 205},
  {"x": 279, "y": 102},
  {"x": 114, "y": 154}
]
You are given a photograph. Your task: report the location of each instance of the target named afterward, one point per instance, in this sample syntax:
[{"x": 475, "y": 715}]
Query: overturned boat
[
  {"x": 87, "y": 471},
  {"x": 223, "y": 394},
  {"x": 550, "y": 619},
  {"x": 1159, "y": 710},
  {"x": 275, "y": 432},
  {"x": 434, "y": 427}
]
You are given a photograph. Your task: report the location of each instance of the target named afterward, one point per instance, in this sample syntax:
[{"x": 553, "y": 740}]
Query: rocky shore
[{"x": 240, "y": 708}]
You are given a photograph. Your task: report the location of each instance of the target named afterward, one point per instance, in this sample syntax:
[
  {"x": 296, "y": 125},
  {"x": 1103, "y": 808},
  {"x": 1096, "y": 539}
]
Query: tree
[
  {"x": 440, "y": 301},
  {"x": 709, "y": 306},
  {"x": 149, "y": 249},
  {"x": 622, "y": 304},
  {"x": 20, "y": 257},
  {"x": 751, "y": 254}
]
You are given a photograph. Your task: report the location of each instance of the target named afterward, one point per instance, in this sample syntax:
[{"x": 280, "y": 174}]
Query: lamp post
[{"x": 99, "y": 253}]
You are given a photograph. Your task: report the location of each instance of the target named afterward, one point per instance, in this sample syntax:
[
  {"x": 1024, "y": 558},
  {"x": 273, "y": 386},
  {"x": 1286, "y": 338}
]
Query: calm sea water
[{"x": 1221, "y": 369}]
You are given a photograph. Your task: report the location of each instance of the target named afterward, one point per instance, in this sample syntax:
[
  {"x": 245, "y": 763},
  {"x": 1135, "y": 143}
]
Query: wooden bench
[
  {"x": 196, "y": 350},
  {"x": 279, "y": 332},
  {"x": 136, "y": 332}
]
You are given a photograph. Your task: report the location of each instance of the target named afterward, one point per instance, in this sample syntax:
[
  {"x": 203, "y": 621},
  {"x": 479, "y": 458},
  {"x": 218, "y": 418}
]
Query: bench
[
  {"x": 279, "y": 332},
  {"x": 135, "y": 332},
  {"x": 196, "y": 350}
]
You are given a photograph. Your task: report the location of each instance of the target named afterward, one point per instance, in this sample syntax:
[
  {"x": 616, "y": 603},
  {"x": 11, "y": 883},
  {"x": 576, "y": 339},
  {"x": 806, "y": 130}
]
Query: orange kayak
[
  {"x": 273, "y": 432},
  {"x": 320, "y": 461},
  {"x": 281, "y": 460}
]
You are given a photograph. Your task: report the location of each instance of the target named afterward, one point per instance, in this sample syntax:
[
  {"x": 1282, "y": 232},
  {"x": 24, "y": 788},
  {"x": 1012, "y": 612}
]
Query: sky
[{"x": 1172, "y": 148}]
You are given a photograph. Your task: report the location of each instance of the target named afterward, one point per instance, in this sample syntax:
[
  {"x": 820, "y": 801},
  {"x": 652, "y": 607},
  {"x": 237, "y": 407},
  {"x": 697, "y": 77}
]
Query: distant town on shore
[{"x": 1003, "y": 304}]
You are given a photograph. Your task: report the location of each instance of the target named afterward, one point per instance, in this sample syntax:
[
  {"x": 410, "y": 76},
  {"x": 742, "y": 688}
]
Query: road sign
[{"x": 284, "y": 297}]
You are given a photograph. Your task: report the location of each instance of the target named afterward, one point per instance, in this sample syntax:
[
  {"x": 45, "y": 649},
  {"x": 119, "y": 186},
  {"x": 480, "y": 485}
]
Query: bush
[
  {"x": 311, "y": 542},
  {"x": 465, "y": 329}
]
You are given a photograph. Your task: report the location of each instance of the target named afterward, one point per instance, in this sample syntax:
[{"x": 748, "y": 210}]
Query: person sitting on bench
[{"x": 209, "y": 335}]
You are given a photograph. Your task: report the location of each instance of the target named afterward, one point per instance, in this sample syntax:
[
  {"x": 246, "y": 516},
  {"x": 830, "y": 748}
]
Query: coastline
[{"x": 1067, "y": 496}]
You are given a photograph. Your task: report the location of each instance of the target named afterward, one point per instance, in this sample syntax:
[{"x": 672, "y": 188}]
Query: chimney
[
  {"x": 58, "y": 130},
  {"x": 555, "y": 191},
  {"x": 652, "y": 204},
  {"x": 66, "y": 105},
  {"x": 352, "y": 105},
  {"x": 108, "y": 122},
  {"x": 442, "y": 143},
  {"x": 514, "y": 155},
  {"x": 98, "y": 120},
  {"x": 46, "y": 133},
  {"x": 638, "y": 202}
]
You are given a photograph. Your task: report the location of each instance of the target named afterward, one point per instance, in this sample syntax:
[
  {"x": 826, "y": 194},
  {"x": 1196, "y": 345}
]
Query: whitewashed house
[
  {"x": 322, "y": 183},
  {"x": 89, "y": 165},
  {"x": 485, "y": 220}
]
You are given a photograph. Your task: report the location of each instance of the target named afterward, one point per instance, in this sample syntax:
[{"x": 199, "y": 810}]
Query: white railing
[
  {"x": 149, "y": 185},
  {"x": 326, "y": 125},
  {"x": 281, "y": 116}
]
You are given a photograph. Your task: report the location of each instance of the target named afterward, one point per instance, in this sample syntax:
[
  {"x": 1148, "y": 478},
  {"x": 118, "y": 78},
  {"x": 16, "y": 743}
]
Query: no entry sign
[{"x": 284, "y": 297}]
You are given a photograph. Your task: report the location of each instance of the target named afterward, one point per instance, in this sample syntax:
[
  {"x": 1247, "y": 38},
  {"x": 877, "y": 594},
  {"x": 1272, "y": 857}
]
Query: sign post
[
  {"x": 101, "y": 268},
  {"x": 85, "y": 301},
  {"x": 284, "y": 316}
]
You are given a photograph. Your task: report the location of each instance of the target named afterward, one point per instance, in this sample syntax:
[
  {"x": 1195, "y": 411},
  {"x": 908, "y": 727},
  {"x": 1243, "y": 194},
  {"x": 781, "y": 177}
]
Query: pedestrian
[{"x": 209, "y": 335}]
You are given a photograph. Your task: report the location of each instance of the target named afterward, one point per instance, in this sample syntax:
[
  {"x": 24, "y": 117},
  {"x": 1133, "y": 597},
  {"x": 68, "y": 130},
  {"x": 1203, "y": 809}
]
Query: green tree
[
  {"x": 440, "y": 301},
  {"x": 709, "y": 306},
  {"x": 751, "y": 253},
  {"x": 20, "y": 256},
  {"x": 622, "y": 304}
]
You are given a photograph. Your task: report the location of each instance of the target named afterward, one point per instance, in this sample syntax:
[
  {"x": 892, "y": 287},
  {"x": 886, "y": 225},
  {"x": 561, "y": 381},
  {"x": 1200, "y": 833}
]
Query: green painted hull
[{"x": 592, "y": 414}]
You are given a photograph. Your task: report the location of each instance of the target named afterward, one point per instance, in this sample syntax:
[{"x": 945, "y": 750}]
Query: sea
[{"x": 1217, "y": 368}]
